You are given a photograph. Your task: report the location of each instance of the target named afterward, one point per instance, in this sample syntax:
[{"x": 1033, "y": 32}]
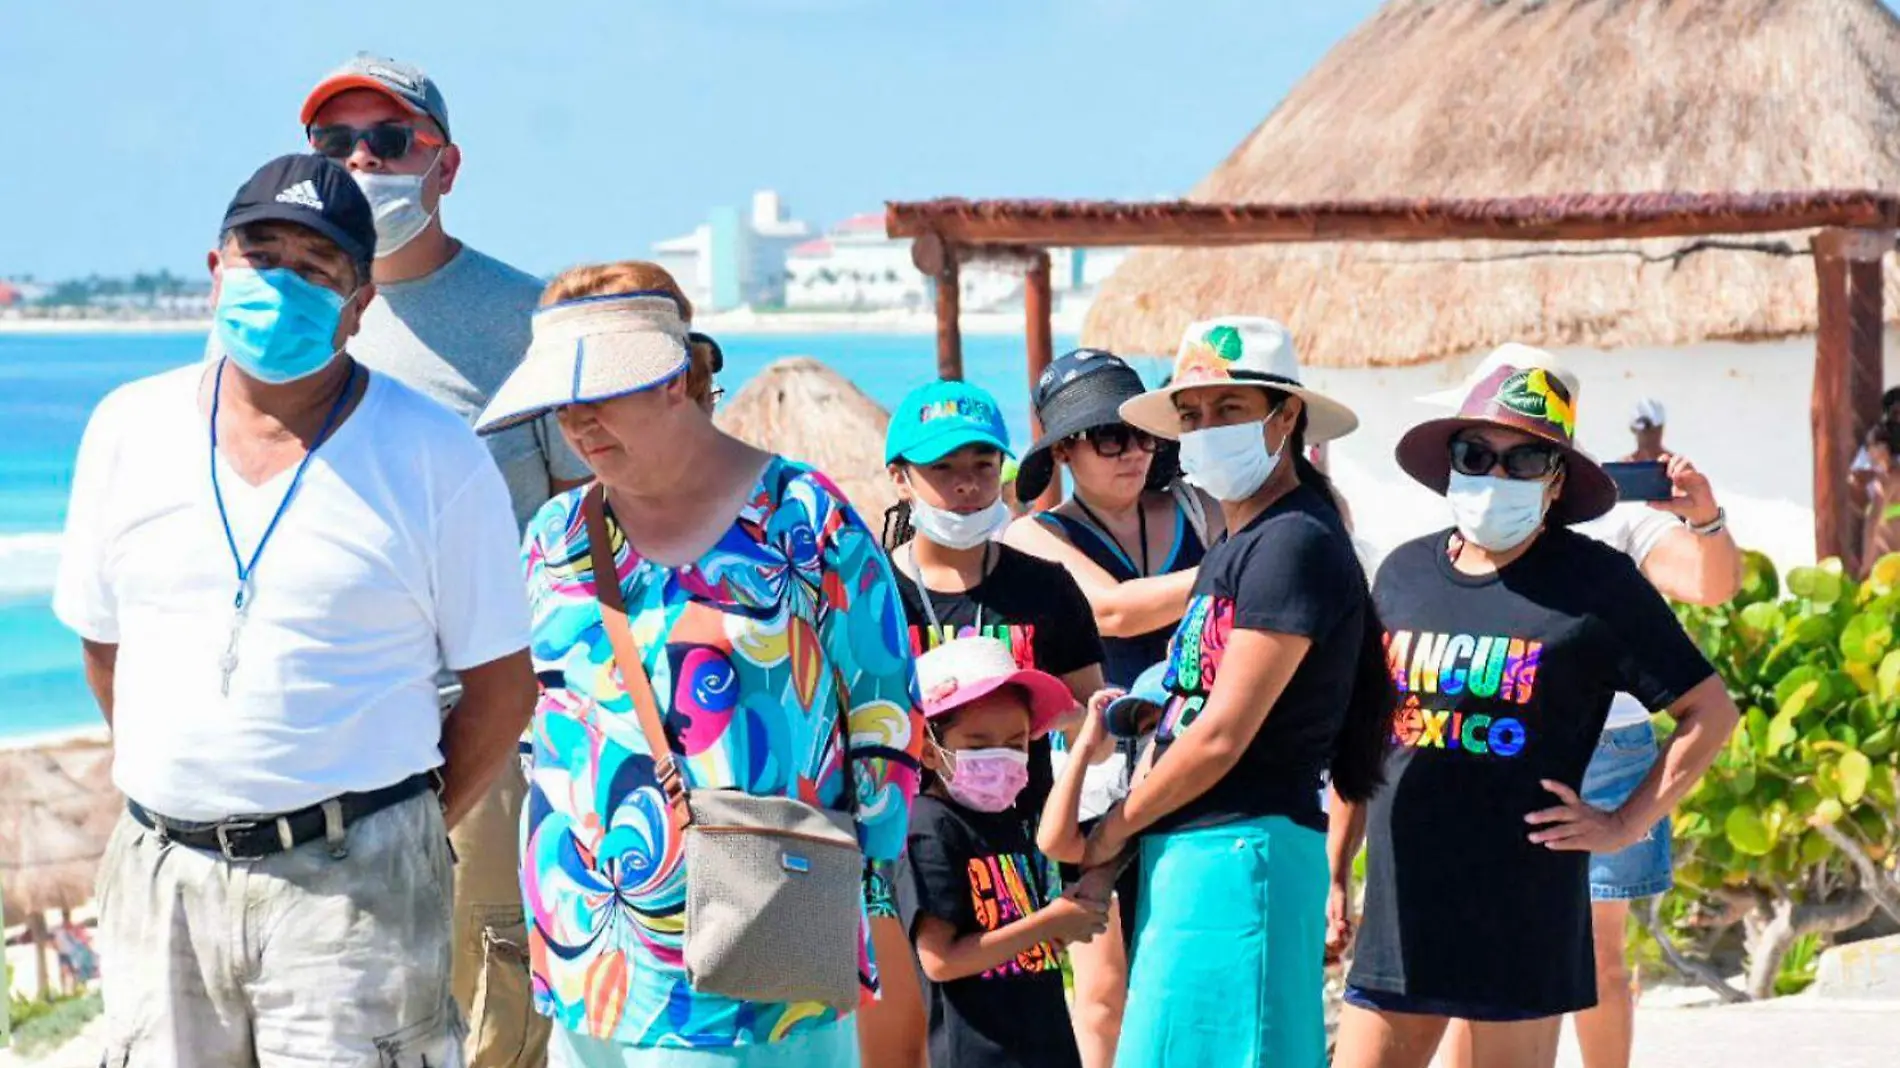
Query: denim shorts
[{"x": 1624, "y": 756}]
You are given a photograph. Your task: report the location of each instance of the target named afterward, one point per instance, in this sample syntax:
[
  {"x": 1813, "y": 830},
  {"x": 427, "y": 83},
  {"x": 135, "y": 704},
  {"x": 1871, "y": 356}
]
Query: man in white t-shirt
[
  {"x": 268, "y": 558},
  {"x": 451, "y": 323}
]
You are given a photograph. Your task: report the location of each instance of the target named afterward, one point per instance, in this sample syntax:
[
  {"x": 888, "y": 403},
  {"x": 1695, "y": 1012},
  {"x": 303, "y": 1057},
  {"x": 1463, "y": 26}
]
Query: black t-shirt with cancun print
[
  {"x": 1031, "y": 605},
  {"x": 981, "y": 872},
  {"x": 1503, "y": 680}
]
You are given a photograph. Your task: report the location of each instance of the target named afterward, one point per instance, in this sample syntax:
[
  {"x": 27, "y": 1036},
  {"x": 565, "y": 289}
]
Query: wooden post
[
  {"x": 1865, "y": 313},
  {"x": 937, "y": 258},
  {"x": 1847, "y": 379},
  {"x": 949, "y": 330},
  {"x": 1828, "y": 402},
  {"x": 1037, "y": 312}
]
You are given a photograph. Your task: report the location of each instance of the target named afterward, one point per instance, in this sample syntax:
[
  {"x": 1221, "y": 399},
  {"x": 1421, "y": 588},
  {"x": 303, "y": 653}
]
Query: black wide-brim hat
[
  {"x": 1528, "y": 393},
  {"x": 1081, "y": 391}
]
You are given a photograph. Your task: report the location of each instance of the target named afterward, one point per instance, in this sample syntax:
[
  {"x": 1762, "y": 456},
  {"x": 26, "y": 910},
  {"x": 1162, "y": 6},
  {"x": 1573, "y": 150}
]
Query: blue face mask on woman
[{"x": 275, "y": 325}]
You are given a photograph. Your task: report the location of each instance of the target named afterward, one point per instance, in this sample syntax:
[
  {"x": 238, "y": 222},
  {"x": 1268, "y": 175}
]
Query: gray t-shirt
[{"x": 453, "y": 336}]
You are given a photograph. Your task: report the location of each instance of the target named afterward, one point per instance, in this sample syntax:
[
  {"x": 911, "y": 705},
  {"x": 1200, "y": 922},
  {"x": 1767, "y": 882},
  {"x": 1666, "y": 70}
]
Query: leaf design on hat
[
  {"x": 1535, "y": 393},
  {"x": 1225, "y": 343}
]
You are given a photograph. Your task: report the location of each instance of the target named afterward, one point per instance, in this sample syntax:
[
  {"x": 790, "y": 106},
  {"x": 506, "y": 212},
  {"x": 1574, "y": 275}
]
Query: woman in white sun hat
[
  {"x": 763, "y": 614},
  {"x": 1275, "y": 679}
]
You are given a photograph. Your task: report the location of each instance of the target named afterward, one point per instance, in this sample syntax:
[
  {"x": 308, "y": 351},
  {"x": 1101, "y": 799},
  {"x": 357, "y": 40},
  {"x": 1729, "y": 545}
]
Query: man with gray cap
[
  {"x": 268, "y": 557},
  {"x": 451, "y": 323}
]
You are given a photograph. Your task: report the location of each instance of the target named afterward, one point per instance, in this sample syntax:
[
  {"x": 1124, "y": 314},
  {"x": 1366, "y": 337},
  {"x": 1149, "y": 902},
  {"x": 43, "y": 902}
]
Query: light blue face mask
[{"x": 276, "y": 326}]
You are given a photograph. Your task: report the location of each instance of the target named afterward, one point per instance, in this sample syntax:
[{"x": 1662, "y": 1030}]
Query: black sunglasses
[
  {"x": 1472, "y": 456},
  {"x": 1111, "y": 441},
  {"x": 385, "y": 140}
]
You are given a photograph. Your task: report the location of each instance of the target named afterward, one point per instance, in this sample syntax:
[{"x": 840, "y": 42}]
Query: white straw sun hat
[
  {"x": 592, "y": 349},
  {"x": 1238, "y": 350}
]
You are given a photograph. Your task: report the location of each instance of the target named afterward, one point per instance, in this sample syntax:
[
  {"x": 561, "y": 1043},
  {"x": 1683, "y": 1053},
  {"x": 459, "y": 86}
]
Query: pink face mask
[{"x": 988, "y": 780}]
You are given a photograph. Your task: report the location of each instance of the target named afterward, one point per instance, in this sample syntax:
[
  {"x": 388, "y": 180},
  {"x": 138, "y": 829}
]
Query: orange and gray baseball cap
[{"x": 404, "y": 83}]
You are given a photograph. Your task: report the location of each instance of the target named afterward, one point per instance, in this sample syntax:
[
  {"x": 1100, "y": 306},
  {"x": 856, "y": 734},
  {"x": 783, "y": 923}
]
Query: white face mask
[
  {"x": 1496, "y": 514},
  {"x": 1230, "y": 462},
  {"x": 954, "y": 530},
  {"x": 397, "y": 201}
]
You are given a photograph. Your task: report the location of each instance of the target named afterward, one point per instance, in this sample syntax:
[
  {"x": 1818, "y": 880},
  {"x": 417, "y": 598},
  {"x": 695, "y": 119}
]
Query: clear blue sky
[{"x": 592, "y": 129}]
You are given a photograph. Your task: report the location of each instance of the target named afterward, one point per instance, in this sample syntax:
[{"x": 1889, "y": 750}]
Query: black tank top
[{"x": 1125, "y": 658}]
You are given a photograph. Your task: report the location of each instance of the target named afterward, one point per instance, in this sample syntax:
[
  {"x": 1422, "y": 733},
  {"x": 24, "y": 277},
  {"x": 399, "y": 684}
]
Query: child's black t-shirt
[{"x": 981, "y": 872}]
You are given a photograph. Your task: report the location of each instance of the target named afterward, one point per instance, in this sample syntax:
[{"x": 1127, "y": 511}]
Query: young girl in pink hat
[{"x": 983, "y": 906}]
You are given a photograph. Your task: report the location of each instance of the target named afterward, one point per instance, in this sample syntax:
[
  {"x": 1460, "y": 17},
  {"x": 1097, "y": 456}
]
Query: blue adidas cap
[{"x": 935, "y": 420}]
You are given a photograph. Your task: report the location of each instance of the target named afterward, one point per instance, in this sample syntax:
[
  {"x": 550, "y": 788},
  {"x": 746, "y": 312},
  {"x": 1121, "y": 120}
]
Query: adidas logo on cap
[{"x": 303, "y": 194}]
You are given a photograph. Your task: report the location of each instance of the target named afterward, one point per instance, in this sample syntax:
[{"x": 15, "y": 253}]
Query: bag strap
[
  {"x": 1195, "y": 508},
  {"x": 633, "y": 671}
]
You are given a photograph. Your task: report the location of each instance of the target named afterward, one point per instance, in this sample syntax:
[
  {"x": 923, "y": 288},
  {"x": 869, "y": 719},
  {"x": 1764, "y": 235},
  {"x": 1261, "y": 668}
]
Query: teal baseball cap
[{"x": 937, "y": 419}]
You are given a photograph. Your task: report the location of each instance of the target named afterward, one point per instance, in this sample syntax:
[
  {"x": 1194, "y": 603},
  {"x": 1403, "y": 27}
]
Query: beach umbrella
[
  {"x": 57, "y": 809},
  {"x": 805, "y": 411}
]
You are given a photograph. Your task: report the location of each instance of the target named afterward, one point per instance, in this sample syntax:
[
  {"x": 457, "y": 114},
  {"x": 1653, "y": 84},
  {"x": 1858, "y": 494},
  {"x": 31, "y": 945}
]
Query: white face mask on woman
[
  {"x": 1230, "y": 462},
  {"x": 1496, "y": 514},
  {"x": 955, "y": 530}
]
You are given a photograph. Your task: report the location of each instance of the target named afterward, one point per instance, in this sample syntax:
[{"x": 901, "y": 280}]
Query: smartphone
[{"x": 1642, "y": 480}]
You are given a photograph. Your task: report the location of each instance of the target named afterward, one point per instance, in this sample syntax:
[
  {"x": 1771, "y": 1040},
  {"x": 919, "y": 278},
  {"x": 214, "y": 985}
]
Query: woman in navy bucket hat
[{"x": 1131, "y": 535}]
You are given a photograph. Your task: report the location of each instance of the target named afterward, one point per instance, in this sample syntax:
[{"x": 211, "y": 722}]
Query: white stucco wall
[{"x": 1739, "y": 410}]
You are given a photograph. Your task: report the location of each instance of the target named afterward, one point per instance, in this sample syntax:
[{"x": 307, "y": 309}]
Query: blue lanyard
[{"x": 244, "y": 570}]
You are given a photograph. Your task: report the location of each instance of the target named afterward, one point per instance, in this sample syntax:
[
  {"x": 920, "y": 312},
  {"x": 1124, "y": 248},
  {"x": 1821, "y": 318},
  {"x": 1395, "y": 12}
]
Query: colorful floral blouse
[{"x": 745, "y": 648}]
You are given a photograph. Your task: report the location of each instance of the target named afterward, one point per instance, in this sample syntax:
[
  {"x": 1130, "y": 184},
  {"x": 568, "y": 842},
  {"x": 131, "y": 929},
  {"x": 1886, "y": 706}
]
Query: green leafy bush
[{"x": 1794, "y": 831}]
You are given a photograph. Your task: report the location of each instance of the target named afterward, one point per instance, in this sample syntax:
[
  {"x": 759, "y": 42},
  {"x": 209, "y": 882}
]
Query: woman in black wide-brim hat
[{"x": 1132, "y": 535}]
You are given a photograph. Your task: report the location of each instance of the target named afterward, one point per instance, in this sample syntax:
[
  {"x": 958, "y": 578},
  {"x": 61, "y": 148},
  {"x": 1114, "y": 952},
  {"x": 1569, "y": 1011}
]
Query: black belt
[{"x": 257, "y": 837}]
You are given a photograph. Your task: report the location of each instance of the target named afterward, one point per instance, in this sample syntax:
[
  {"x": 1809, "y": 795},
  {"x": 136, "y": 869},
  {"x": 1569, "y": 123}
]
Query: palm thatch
[
  {"x": 805, "y": 411},
  {"x": 1497, "y": 98},
  {"x": 57, "y": 808}
]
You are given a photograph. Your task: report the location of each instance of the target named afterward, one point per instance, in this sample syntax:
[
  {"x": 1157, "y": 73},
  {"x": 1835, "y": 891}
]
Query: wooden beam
[
  {"x": 1038, "y": 329},
  {"x": 1835, "y": 534},
  {"x": 1584, "y": 217},
  {"x": 1021, "y": 258}
]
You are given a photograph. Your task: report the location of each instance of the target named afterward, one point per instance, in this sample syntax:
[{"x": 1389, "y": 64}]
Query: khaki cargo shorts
[{"x": 302, "y": 958}]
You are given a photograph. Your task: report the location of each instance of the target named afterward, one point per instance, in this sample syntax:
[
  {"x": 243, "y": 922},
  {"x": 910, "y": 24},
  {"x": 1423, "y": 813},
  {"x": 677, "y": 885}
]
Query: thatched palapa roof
[
  {"x": 1508, "y": 98},
  {"x": 57, "y": 808},
  {"x": 805, "y": 411}
]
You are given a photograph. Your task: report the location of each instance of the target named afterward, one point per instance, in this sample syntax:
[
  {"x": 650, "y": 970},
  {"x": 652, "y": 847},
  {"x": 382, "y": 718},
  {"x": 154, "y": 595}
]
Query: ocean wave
[{"x": 27, "y": 565}]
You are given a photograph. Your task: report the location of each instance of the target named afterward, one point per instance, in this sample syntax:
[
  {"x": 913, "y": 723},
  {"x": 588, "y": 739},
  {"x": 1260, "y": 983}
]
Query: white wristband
[{"x": 1712, "y": 527}]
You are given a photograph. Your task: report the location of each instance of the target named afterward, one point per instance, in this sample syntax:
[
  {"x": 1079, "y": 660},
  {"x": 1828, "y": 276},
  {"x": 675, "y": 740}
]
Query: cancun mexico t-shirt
[
  {"x": 1291, "y": 571},
  {"x": 1031, "y": 605},
  {"x": 1503, "y": 680},
  {"x": 981, "y": 872}
]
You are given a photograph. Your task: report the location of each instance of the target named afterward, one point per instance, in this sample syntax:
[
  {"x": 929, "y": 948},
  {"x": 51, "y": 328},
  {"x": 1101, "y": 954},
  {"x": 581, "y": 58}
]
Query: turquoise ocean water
[{"x": 50, "y": 383}]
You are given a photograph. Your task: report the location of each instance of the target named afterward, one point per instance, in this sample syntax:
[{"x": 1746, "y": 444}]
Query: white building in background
[
  {"x": 854, "y": 266},
  {"x": 689, "y": 260},
  {"x": 733, "y": 260}
]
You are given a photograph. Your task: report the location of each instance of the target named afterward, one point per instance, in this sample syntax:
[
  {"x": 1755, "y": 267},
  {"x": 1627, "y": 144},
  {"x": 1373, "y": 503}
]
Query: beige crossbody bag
[{"x": 774, "y": 886}]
